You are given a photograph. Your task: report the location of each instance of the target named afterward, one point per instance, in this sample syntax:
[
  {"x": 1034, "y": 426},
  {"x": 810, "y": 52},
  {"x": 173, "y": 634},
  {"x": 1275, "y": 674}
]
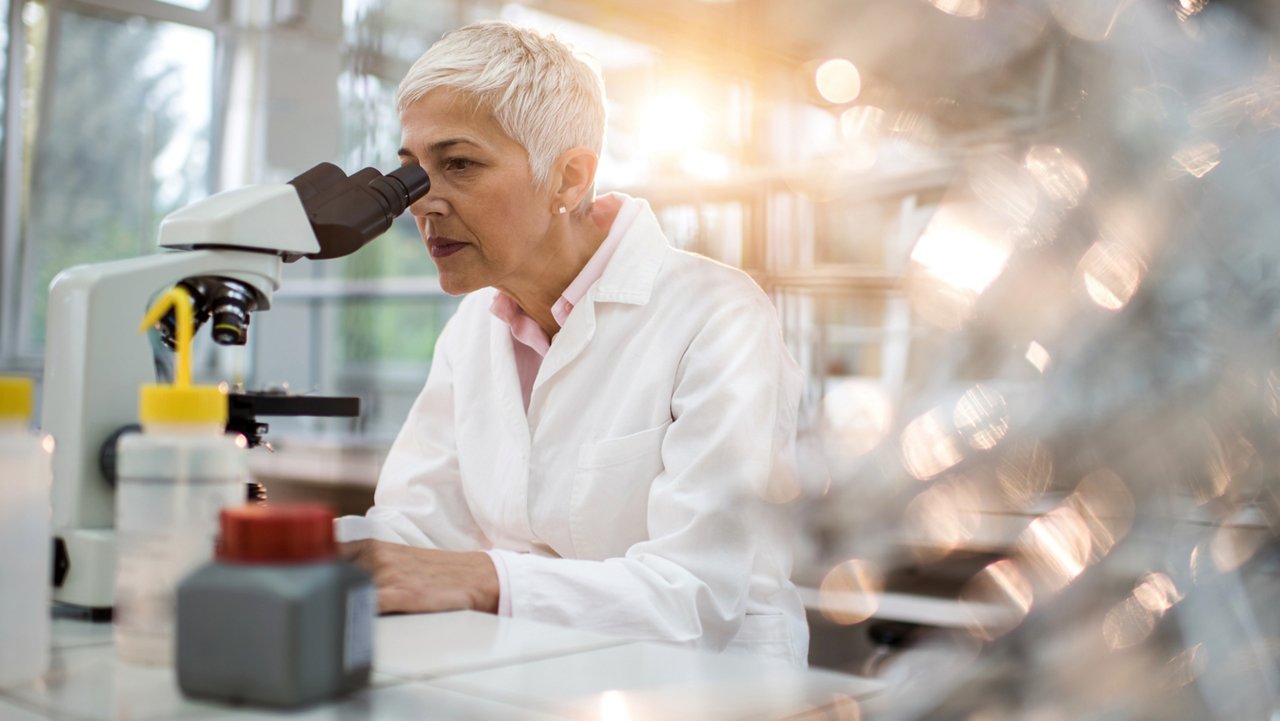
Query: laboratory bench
[
  {"x": 342, "y": 475},
  {"x": 460, "y": 665}
]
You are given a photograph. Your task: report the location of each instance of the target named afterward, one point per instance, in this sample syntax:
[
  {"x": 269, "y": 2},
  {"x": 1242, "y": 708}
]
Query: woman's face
[{"x": 483, "y": 218}]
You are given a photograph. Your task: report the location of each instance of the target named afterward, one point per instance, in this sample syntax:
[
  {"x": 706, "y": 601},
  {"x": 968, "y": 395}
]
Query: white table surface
[
  {"x": 655, "y": 681},
  {"x": 421, "y": 647},
  {"x": 454, "y": 666}
]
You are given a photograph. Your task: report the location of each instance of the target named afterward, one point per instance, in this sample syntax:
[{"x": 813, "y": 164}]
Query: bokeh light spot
[
  {"x": 1156, "y": 592},
  {"x": 929, "y": 447},
  {"x": 1059, "y": 174},
  {"x": 982, "y": 417},
  {"x": 939, "y": 520},
  {"x": 1058, "y": 545},
  {"x": 1132, "y": 620},
  {"x": 961, "y": 8},
  {"x": 613, "y": 706},
  {"x": 1187, "y": 8},
  {"x": 955, "y": 252},
  {"x": 838, "y": 81},
  {"x": 998, "y": 598},
  {"x": 1227, "y": 461},
  {"x": 1037, "y": 356},
  {"x": 1105, "y": 504},
  {"x": 850, "y": 592},
  {"x": 1111, "y": 274},
  {"x": 1232, "y": 545},
  {"x": 1128, "y": 624}
]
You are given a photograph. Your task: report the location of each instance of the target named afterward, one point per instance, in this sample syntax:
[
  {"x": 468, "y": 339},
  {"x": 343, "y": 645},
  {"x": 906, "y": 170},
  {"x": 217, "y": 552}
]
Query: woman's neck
[{"x": 569, "y": 249}]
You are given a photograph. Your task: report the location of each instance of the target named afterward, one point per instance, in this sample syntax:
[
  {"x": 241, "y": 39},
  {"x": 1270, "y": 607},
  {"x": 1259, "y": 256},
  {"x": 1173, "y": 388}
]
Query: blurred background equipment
[{"x": 1023, "y": 249}]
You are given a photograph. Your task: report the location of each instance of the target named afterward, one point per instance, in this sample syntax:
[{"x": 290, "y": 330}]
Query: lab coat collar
[
  {"x": 629, "y": 278},
  {"x": 632, "y": 271}
]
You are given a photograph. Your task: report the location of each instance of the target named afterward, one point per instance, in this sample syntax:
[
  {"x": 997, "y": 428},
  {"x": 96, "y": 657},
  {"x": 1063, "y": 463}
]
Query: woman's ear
[{"x": 576, "y": 173}]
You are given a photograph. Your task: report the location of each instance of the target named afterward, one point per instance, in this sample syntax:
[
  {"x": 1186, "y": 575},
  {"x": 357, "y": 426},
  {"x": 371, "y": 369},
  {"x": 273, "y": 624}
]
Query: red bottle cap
[{"x": 290, "y": 533}]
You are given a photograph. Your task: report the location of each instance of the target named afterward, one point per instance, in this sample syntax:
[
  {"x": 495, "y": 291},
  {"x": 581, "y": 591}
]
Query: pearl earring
[{"x": 563, "y": 210}]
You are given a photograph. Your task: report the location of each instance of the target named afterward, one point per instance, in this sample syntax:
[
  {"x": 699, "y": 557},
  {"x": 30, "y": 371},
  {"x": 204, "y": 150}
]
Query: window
[{"x": 117, "y": 135}]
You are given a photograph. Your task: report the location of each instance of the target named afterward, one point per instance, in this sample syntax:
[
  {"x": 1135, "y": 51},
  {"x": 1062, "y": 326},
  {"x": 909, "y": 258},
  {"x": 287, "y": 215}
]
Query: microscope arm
[{"x": 95, "y": 363}]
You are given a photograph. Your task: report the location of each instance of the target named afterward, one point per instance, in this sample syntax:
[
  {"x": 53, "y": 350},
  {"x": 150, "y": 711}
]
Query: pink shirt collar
[{"x": 523, "y": 327}]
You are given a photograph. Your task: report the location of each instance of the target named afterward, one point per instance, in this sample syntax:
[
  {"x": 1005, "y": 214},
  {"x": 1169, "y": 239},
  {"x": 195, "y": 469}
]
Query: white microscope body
[{"x": 95, "y": 360}]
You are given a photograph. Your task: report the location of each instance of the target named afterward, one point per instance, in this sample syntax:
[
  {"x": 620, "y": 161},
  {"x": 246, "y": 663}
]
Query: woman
[{"x": 603, "y": 413}]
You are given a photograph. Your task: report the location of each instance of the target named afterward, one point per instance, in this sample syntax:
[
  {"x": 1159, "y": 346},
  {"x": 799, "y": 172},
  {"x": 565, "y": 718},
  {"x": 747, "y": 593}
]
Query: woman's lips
[{"x": 441, "y": 247}]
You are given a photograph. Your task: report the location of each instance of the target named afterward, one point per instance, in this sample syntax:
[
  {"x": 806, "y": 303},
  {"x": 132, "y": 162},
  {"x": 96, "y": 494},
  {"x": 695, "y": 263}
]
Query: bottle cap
[
  {"x": 180, "y": 402},
  {"x": 269, "y": 534},
  {"x": 15, "y": 398}
]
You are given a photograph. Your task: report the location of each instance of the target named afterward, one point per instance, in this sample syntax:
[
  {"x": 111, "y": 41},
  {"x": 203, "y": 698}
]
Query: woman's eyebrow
[
  {"x": 437, "y": 146},
  {"x": 440, "y": 145}
]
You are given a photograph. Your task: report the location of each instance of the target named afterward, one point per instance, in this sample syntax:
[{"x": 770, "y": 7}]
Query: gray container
[{"x": 275, "y": 634}]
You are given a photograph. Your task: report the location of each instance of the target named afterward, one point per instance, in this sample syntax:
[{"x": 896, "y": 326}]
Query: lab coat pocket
[{"x": 610, "y": 503}]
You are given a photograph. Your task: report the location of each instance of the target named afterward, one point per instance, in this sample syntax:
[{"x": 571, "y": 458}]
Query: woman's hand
[{"x": 421, "y": 580}]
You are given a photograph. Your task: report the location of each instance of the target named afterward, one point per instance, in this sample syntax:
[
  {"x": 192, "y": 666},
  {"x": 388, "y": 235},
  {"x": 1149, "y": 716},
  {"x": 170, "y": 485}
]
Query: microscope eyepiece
[
  {"x": 348, "y": 212},
  {"x": 410, "y": 183}
]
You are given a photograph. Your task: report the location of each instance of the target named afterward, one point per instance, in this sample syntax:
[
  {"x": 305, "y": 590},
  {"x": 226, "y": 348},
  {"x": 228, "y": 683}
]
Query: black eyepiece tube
[
  {"x": 412, "y": 182},
  {"x": 348, "y": 212}
]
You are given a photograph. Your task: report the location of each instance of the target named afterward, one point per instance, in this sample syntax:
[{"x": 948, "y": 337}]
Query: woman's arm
[
  {"x": 418, "y": 580},
  {"x": 419, "y": 499}
]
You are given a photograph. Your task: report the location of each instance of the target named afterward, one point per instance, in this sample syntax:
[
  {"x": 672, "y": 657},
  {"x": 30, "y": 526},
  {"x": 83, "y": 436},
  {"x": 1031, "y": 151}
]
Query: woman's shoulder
[{"x": 716, "y": 284}]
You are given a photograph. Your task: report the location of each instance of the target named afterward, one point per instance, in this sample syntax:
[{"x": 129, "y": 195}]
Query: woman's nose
[
  {"x": 419, "y": 206},
  {"x": 433, "y": 203}
]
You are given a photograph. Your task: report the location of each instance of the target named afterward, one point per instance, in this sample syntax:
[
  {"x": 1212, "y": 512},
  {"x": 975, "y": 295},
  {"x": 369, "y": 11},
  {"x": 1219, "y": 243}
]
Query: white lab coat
[{"x": 628, "y": 498}]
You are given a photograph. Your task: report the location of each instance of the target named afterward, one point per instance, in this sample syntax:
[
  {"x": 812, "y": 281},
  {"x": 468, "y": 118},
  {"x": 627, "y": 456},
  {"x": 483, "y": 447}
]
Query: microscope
[{"x": 227, "y": 251}]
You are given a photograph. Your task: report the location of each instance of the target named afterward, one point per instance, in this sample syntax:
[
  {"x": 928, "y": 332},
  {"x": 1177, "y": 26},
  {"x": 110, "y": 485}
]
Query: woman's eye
[{"x": 458, "y": 164}]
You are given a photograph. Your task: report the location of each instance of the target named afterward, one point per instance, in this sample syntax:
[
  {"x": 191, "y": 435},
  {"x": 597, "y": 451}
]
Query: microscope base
[{"x": 91, "y": 568}]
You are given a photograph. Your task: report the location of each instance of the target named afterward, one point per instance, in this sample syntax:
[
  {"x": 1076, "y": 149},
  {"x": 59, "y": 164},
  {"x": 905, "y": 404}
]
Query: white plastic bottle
[
  {"x": 173, "y": 479},
  {"x": 25, "y": 538}
]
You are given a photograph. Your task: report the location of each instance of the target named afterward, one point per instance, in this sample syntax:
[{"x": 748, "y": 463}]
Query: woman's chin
[{"x": 453, "y": 284}]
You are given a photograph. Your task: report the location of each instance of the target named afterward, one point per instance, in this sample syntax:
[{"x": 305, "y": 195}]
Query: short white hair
[{"x": 546, "y": 96}]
